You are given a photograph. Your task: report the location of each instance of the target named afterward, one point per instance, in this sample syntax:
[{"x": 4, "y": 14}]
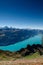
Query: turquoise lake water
[{"x": 22, "y": 44}]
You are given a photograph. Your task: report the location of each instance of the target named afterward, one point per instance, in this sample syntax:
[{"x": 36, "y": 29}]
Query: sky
[{"x": 21, "y": 13}]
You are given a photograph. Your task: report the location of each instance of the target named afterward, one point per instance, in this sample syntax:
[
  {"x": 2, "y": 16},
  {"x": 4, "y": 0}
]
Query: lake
[{"x": 17, "y": 46}]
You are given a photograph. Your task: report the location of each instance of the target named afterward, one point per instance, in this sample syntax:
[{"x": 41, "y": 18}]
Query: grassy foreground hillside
[
  {"x": 35, "y": 55},
  {"x": 30, "y": 52},
  {"x": 34, "y": 59},
  {"x": 17, "y": 56},
  {"x": 31, "y": 55}
]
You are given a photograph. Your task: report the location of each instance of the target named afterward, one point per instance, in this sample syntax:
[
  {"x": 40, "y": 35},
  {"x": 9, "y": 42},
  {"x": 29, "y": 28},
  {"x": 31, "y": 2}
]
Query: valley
[{"x": 21, "y": 47}]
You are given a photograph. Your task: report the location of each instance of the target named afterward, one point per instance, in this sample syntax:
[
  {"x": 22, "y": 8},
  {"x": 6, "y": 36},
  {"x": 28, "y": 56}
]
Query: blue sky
[{"x": 21, "y": 13}]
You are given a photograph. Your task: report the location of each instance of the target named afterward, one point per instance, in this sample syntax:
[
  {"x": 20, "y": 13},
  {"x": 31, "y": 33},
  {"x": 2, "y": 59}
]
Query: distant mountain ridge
[{"x": 11, "y": 35}]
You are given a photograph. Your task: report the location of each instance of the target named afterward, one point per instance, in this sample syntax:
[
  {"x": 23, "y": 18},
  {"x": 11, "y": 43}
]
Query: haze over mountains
[{"x": 11, "y": 35}]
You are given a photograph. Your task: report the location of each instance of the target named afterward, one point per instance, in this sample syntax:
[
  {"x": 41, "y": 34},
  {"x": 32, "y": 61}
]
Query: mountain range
[{"x": 11, "y": 35}]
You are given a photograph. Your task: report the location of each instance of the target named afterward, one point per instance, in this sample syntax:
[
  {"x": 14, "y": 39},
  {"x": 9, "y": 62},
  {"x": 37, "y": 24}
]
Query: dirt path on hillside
[{"x": 38, "y": 61}]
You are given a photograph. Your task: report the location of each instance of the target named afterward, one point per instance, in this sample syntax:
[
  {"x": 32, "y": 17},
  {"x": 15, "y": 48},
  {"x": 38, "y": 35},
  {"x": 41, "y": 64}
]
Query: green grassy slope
[{"x": 33, "y": 56}]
